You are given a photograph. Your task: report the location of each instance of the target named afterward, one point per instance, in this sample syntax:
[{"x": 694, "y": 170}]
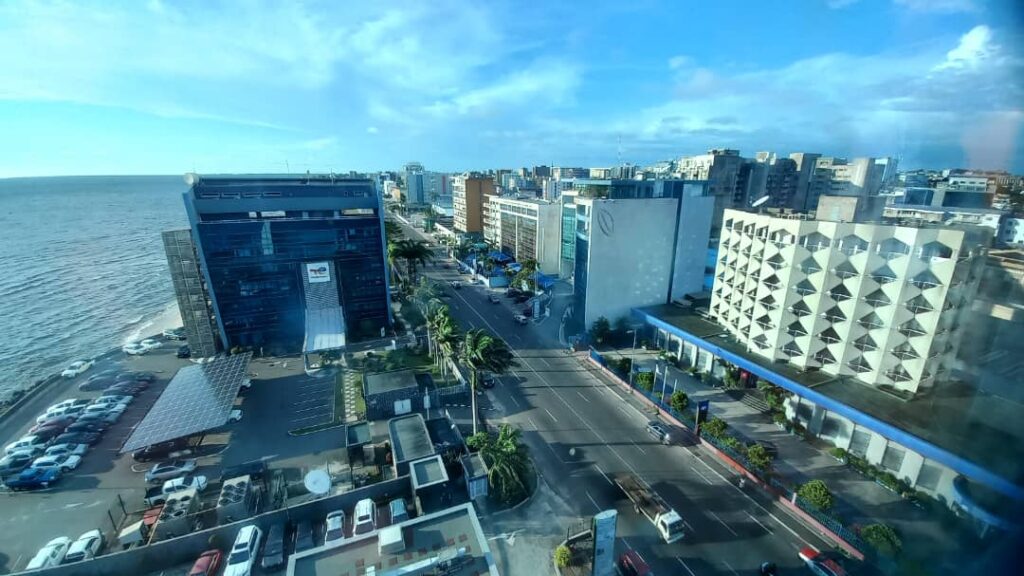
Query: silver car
[{"x": 170, "y": 469}]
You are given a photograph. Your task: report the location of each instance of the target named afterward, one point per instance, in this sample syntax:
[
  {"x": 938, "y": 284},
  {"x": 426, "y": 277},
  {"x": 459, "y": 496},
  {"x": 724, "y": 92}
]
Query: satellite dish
[
  {"x": 317, "y": 481},
  {"x": 760, "y": 201}
]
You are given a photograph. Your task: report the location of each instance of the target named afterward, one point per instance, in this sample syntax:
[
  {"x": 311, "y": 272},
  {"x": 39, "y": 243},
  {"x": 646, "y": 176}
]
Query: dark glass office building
[{"x": 292, "y": 263}]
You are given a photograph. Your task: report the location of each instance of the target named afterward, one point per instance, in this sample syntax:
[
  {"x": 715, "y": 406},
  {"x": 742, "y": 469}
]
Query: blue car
[{"x": 33, "y": 478}]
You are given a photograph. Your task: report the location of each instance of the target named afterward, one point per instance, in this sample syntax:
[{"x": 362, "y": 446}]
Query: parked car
[
  {"x": 61, "y": 449},
  {"x": 61, "y": 422},
  {"x": 528, "y": 312},
  {"x": 112, "y": 399},
  {"x": 170, "y": 469},
  {"x": 108, "y": 418},
  {"x": 64, "y": 463},
  {"x": 104, "y": 408},
  {"x": 365, "y": 517},
  {"x": 32, "y": 478},
  {"x": 151, "y": 343},
  {"x": 234, "y": 416},
  {"x": 487, "y": 380},
  {"x": 50, "y": 555},
  {"x": 125, "y": 389},
  {"x": 456, "y": 284},
  {"x": 207, "y": 564},
  {"x": 198, "y": 482},
  {"x": 520, "y": 319},
  {"x": 161, "y": 450},
  {"x": 97, "y": 382},
  {"x": 77, "y": 367},
  {"x": 70, "y": 402},
  {"x": 97, "y": 426},
  {"x": 48, "y": 433},
  {"x": 175, "y": 333},
  {"x": 521, "y": 297},
  {"x": 275, "y": 549},
  {"x": 305, "y": 536},
  {"x": 136, "y": 376},
  {"x": 827, "y": 562},
  {"x": 14, "y": 463},
  {"x": 184, "y": 352},
  {"x": 335, "y": 526},
  {"x": 493, "y": 299},
  {"x": 29, "y": 441},
  {"x": 399, "y": 513},
  {"x": 243, "y": 552},
  {"x": 73, "y": 410},
  {"x": 89, "y": 438},
  {"x": 87, "y": 547},
  {"x": 631, "y": 563},
  {"x": 134, "y": 349}
]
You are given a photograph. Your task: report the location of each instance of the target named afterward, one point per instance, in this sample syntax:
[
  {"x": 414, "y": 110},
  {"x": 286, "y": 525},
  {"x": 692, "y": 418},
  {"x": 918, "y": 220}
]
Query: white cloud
[
  {"x": 938, "y": 6},
  {"x": 542, "y": 85},
  {"x": 680, "y": 61},
  {"x": 372, "y": 130},
  {"x": 318, "y": 144},
  {"x": 974, "y": 47},
  {"x": 839, "y": 4}
]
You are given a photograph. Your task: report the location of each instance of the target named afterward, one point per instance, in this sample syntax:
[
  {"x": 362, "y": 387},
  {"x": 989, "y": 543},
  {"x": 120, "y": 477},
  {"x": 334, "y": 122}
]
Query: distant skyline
[{"x": 171, "y": 87}]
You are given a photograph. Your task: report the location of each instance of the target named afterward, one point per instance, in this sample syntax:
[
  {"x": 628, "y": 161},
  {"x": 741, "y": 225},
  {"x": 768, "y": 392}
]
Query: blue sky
[{"x": 168, "y": 87}]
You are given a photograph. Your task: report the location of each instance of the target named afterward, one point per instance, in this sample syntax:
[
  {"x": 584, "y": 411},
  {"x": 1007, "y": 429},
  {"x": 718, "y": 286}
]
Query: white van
[{"x": 365, "y": 517}]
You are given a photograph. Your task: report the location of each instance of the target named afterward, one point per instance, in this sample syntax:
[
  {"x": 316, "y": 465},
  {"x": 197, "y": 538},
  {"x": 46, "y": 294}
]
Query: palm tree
[
  {"x": 507, "y": 460},
  {"x": 426, "y": 292},
  {"x": 446, "y": 338},
  {"x": 528, "y": 274},
  {"x": 481, "y": 351},
  {"x": 414, "y": 252}
]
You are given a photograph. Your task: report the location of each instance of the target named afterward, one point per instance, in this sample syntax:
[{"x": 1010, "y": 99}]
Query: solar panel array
[{"x": 198, "y": 398}]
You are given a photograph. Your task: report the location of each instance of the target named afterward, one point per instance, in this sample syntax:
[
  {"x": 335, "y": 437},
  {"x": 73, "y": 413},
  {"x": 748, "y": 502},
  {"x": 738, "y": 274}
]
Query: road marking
[
  {"x": 758, "y": 522},
  {"x": 685, "y": 566},
  {"x": 730, "y": 568},
  {"x": 701, "y": 474},
  {"x": 720, "y": 521},
  {"x": 626, "y": 542},
  {"x": 592, "y": 501},
  {"x": 623, "y": 410},
  {"x": 690, "y": 528},
  {"x": 582, "y": 396},
  {"x": 603, "y": 474},
  {"x": 642, "y": 451},
  {"x": 532, "y": 423},
  {"x": 544, "y": 361},
  {"x": 550, "y": 414},
  {"x": 309, "y": 409},
  {"x": 514, "y": 401}
]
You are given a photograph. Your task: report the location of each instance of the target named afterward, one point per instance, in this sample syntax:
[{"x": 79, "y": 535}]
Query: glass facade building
[{"x": 258, "y": 238}]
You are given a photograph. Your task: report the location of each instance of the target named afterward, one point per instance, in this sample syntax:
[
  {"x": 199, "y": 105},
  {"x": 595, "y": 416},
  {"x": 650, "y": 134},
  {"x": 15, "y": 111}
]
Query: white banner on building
[{"x": 318, "y": 272}]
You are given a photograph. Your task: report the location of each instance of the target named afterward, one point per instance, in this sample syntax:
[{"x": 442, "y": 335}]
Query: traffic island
[{"x": 574, "y": 556}]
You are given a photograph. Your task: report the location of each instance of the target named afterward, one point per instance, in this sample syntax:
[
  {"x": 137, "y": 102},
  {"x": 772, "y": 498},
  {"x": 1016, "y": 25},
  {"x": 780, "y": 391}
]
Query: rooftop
[
  {"x": 409, "y": 438},
  {"x": 428, "y": 472},
  {"x": 384, "y": 382},
  {"x": 453, "y": 532},
  {"x": 983, "y": 429},
  {"x": 474, "y": 465}
]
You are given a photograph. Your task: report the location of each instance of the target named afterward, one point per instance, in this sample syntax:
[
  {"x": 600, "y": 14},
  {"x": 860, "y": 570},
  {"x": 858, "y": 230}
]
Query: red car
[
  {"x": 61, "y": 422},
  {"x": 207, "y": 564},
  {"x": 825, "y": 563},
  {"x": 631, "y": 563}
]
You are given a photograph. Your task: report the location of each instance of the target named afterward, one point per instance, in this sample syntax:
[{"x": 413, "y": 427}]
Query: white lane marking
[
  {"x": 550, "y": 414},
  {"x": 626, "y": 542},
  {"x": 688, "y": 527},
  {"x": 642, "y": 451},
  {"x": 592, "y": 501},
  {"x": 582, "y": 396},
  {"x": 758, "y": 522},
  {"x": 603, "y": 474},
  {"x": 514, "y": 401},
  {"x": 730, "y": 568},
  {"x": 310, "y": 409},
  {"x": 532, "y": 423},
  {"x": 546, "y": 363},
  {"x": 722, "y": 522},
  {"x": 622, "y": 409},
  {"x": 701, "y": 474},
  {"x": 685, "y": 566}
]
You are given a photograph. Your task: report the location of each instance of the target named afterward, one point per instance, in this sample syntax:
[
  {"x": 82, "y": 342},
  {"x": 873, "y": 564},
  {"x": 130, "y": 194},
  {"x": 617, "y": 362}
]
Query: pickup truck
[
  {"x": 32, "y": 478},
  {"x": 647, "y": 502},
  {"x": 158, "y": 495}
]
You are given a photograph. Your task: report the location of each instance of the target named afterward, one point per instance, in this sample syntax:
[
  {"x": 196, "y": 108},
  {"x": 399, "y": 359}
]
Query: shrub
[
  {"x": 882, "y": 538},
  {"x": 838, "y": 452},
  {"x": 715, "y": 427},
  {"x": 679, "y": 401},
  {"x": 817, "y": 494},
  {"x": 779, "y": 418},
  {"x": 733, "y": 443},
  {"x": 563, "y": 556},
  {"x": 759, "y": 457},
  {"x": 601, "y": 330},
  {"x": 644, "y": 380}
]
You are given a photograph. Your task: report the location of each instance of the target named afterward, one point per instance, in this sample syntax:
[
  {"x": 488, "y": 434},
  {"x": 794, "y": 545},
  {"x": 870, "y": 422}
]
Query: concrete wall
[
  {"x": 694, "y": 233},
  {"x": 171, "y": 553}
]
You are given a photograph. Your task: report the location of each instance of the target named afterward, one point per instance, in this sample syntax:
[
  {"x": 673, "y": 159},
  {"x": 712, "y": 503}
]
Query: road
[{"x": 560, "y": 404}]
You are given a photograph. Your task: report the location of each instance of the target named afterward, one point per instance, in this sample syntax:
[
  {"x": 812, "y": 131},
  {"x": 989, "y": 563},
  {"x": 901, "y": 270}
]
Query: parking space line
[
  {"x": 550, "y": 414},
  {"x": 701, "y": 474},
  {"x": 592, "y": 501},
  {"x": 642, "y": 451},
  {"x": 685, "y": 566},
  {"x": 722, "y": 522},
  {"x": 758, "y": 522},
  {"x": 603, "y": 474},
  {"x": 582, "y": 396},
  {"x": 730, "y": 568},
  {"x": 309, "y": 409}
]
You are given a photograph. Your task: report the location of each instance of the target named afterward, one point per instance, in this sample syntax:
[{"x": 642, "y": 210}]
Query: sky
[{"x": 161, "y": 87}]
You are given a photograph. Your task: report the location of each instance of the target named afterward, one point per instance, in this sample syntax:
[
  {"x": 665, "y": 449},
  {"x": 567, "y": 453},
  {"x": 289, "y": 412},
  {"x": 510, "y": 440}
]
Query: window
[
  {"x": 859, "y": 442},
  {"x": 893, "y": 458},
  {"x": 929, "y": 477}
]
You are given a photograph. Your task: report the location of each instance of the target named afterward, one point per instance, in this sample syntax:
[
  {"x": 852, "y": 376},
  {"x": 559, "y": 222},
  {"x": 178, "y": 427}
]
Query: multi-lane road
[{"x": 582, "y": 431}]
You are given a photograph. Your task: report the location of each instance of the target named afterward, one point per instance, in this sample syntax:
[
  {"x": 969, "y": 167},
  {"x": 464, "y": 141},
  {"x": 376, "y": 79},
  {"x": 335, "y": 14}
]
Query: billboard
[{"x": 317, "y": 272}]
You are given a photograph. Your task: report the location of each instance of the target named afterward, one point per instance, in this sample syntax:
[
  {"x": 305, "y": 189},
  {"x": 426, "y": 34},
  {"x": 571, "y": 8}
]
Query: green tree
[
  {"x": 481, "y": 351},
  {"x": 817, "y": 494},
  {"x": 563, "y": 556},
  {"x": 883, "y": 538},
  {"x": 644, "y": 380},
  {"x": 507, "y": 461},
  {"x": 415, "y": 253},
  {"x": 442, "y": 337},
  {"x": 715, "y": 427},
  {"x": 759, "y": 457},
  {"x": 425, "y": 292},
  {"x": 600, "y": 330},
  {"x": 527, "y": 274},
  {"x": 679, "y": 401}
]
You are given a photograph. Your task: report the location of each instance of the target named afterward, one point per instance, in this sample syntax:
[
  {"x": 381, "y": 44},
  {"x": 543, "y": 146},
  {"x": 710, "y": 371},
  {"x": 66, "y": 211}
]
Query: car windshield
[{"x": 239, "y": 557}]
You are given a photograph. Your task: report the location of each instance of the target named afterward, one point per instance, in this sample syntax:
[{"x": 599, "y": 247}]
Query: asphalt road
[{"x": 560, "y": 405}]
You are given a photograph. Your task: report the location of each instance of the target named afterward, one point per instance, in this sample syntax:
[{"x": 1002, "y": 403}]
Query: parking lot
[{"x": 108, "y": 486}]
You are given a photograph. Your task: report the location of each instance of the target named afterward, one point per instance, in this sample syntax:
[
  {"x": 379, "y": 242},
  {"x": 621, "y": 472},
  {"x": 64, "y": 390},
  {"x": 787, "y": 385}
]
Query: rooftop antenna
[{"x": 760, "y": 201}]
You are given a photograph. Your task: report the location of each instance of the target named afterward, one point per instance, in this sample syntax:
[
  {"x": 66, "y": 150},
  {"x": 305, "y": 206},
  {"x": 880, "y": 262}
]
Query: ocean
[{"x": 82, "y": 268}]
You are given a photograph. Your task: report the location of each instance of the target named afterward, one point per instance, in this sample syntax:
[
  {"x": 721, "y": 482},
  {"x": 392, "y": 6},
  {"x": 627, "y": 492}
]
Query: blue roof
[
  {"x": 543, "y": 280},
  {"x": 500, "y": 257}
]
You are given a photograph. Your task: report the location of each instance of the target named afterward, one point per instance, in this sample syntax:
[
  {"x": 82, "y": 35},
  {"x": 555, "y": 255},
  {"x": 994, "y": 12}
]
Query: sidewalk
[{"x": 858, "y": 500}]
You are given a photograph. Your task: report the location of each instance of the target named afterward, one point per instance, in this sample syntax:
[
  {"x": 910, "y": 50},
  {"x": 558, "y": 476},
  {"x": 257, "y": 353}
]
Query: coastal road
[{"x": 582, "y": 431}]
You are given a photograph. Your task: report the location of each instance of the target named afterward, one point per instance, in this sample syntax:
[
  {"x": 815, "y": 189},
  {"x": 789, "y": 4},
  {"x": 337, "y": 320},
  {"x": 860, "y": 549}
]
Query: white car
[
  {"x": 151, "y": 344},
  {"x": 105, "y": 409},
  {"x": 335, "y": 526},
  {"x": 50, "y": 555},
  {"x": 69, "y": 403},
  {"x": 134, "y": 349},
  {"x": 63, "y": 411},
  {"x": 23, "y": 443},
  {"x": 234, "y": 416},
  {"x": 185, "y": 482},
  {"x": 243, "y": 552},
  {"x": 76, "y": 368},
  {"x": 246, "y": 384},
  {"x": 64, "y": 463},
  {"x": 113, "y": 400},
  {"x": 87, "y": 547},
  {"x": 67, "y": 449}
]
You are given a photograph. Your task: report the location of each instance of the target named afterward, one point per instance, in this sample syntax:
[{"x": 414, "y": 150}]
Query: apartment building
[
  {"x": 721, "y": 168},
  {"x": 526, "y": 229},
  {"x": 876, "y": 303},
  {"x": 469, "y": 191}
]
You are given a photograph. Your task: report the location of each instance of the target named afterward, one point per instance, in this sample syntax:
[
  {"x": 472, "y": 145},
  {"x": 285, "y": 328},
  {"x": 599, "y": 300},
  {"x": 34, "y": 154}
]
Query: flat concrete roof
[
  {"x": 358, "y": 434},
  {"x": 426, "y": 538},
  {"x": 474, "y": 465},
  {"x": 976, "y": 434},
  {"x": 409, "y": 438},
  {"x": 428, "y": 472},
  {"x": 383, "y": 382}
]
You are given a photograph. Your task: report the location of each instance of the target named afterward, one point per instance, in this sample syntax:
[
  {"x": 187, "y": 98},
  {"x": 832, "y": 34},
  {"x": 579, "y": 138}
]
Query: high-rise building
[
  {"x": 468, "y": 196},
  {"x": 291, "y": 263},
  {"x": 805, "y": 162},
  {"x": 526, "y": 229},
  {"x": 542, "y": 171},
  {"x": 861, "y": 177},
  {"x": 721, "y": 168},
  {"x": 190, "y": 291},
  {"x": 645, "y": 247},
  {"x": 565, "y": 173},
  {"x": 878, "y": 304},
  {"x": 438, "y": 190},
  {"x": 415, "y": 191}
]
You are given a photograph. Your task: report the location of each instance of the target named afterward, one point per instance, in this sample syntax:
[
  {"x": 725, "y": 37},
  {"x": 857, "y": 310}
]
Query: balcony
[
  {"x": 776, "y": 264},
  {"x": 910, "y": 331},
  {"x": 828, "y": 339},
  {"x": 870, "y": 324},
  {"x": 800, "y": 311},
  {"x": 919, "y": 308},
  {"x": 796, "y": 332},
  {"x": 824, "y": 358},
  {"x": 859, "y": 366},
  {"x": 844, "y": 273},
  {"x": 905, "y": 353},
  {"x": 810, "y": 269},
  {"x": 925, "y": 284},
  {"x": 877, "y": 301},
  {"x": 804, "y": 290},
  {"x": 790, "y": 350},
  {"x": 898, "y": 375},
  {"x": 765, "y": 324},
  {"x": 838, "y": 296},
  {"x": 772, "y": 285},
  {"x": 833, "y": 317},
  {"x": 883, "y": 278},
  {"x": 770, "y": 305},
  {"x": 865, "y": 346}
]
